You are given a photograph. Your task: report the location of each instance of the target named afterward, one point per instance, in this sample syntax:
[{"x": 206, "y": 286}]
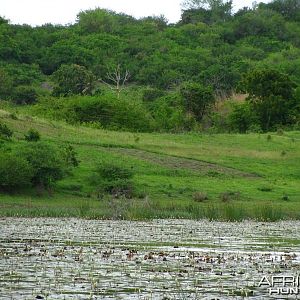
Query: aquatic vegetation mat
[{"x": 161, "y": 259}]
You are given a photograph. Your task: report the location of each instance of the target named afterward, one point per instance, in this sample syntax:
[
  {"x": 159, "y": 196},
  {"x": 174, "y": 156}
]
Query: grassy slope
[{"x": 246, "y": 164}]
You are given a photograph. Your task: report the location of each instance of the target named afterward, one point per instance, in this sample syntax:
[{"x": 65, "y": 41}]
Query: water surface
[{"x": 162, "y": 259}]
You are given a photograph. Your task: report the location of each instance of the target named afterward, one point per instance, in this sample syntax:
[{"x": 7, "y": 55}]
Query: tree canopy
[{"x": 210, "y": 46}]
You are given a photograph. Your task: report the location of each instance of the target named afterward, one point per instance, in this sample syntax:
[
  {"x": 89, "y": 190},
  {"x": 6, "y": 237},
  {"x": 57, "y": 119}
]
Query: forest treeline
[{"x": 114, "y": 71}]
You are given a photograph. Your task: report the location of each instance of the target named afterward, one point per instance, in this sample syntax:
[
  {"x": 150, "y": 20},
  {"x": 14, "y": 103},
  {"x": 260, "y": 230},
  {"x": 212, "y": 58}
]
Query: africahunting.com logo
[{"x": 281, "y": 285}]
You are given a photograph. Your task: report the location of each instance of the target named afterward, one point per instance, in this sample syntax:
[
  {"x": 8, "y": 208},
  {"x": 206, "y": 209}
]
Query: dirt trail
[{"x": 173, "y": 162}]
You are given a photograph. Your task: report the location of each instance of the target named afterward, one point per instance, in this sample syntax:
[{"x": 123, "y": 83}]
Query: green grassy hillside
[{"x": 244, "y": 176}]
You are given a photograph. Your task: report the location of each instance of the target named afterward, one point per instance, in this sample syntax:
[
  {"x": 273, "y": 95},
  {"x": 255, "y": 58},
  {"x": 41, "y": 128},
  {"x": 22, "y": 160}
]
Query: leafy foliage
[
  {"x": 35, "y": 165},
  {"x": 108, "y": 111},
  {"x": 113, "y": 179},
  {"x": 290, "y": 9},
  {"x": 32, "y": 136},
  {"x": 48, "y": 163},
  {"x": 25, "y": 95},
  {"x": 15, "y": 172},
  {"x": 6, "y": 84},
  {"x": 71, "y": 156},
  {"x": 211, "y": 46},
  {"x": 271, "y": 95},
  {"x": 5, "y": 132},
  {"x": 151, "y": 94},
  {"x": 209, "y": 11},
  {"x": 242, "y": 118},
  {"x": 198, "y": 99},
  {"x": 169, "y": 114},
  {"x": 73, "y": 80}
]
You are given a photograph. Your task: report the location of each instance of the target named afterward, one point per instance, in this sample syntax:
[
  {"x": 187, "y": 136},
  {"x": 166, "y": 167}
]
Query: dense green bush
[
  {"x": 48, "y": 163},
  {"x": 198, "y": 99},
  {"x": 296, "y": 112},
  {"x": 242, "y": 118},
  {"x": 151, "y": 94},
  {"x": 232, "y": 116},
  {"x": 32, "y": 136},
  {"x": 6, "y": 85},
  {"x": 5, "y": 132},
  {"x": 37, "y": 165},
  {"x": 73, "y": 80},
  {"x": 24, "y": 95},
  {"x": 109, "y": 112},
  {"x": 170, "y": 115},
  {"x": 71, "y": 156},
  {"x": 15, "y": 172},
  {"x": 114, "y": 180},
  {"x": 271, "y": 95},
  {"x": 23, "y": 74},
  {"x": 209, "y": 46}
]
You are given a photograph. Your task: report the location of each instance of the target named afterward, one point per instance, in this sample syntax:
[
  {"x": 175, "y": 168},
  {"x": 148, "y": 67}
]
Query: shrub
[
  {"x": 200, "y": 196},
  {"x": 23, "y": 74},
  {"x": 198, "y": 99},
  {"x": 280, "y": 132},
  {"x": 6, "y": 84},
  {"x": 13, "y": 116},
  {"x": 283, "y": 153},
  {"x": 170, "y": 115},
  {"x": 71, "y": 156},
  {"x": 242, "y": 118},
  {"x": 32, "y": 136},
  {"x": 73, "y": 80},
  {"x": 113, "y": 179},
  {"x": 38, "y": 165},
  {"x": 285, "y": 197},
  {"x": 24, "y": 95},
  {"x": 265, "y": 189},
  {"x": 15, "y": 172},
  {"x": 151, "y": 94},
  {"x": 48, "y": 163},
  {"x": 228, "y": 196},
  {"x": 272, "y": 97},
  {"x": 5, "y": 132},
  {"x": 110, "y": 112}
]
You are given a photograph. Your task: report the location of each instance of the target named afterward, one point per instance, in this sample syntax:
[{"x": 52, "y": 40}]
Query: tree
[
  {"x": 198, "y": 99},
  {"x": 24, "y": 95},
  {"x": 102, "y": 20},
  {"x": 5, "y": 132},
  {"x": 207, "y": 4},
  {"x": 170, "y": 115},
  {"x": 113, "y": 179},
  {"x": 8, "y": 45},
  {"x": 259, "y": 23},
  {"x": 23, "y": 74},
  {"x": 66, "y": 51},
  {"x": 48, "y": 163},
  {"x": 290, "y": 9},
  {"x": 271, "y": 95},
  {"x": 211, "y": 10},
  {"x": 73, "y": 80},
  {"x": 3, "y": 21},
  {"x": 6, "y": 85},
  {"x": 242, "y": 117},
  {"x": 117, "y": 79},
  {"x": 15, "y": 172},
  {"x": 158, "y": 22},
  {"x": 36, "y": 164}
]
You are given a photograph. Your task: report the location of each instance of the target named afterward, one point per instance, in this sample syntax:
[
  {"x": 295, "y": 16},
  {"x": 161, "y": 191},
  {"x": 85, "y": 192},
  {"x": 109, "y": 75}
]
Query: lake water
[{"x": 161, "y": 259}]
